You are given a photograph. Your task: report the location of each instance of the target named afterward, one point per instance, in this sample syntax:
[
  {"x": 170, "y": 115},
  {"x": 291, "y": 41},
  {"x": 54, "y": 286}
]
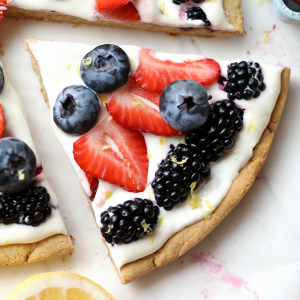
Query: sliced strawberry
[
  {"x": 133, "y": 88},
  {"x": 38, "y": 171},
  {"x": 154, "y": 74},
  {"x": 95, "y": 156},
  {"x": 109, "y": 5},
  {"x": 125, "y": 13},
  {"x": 2, "y": 122},
  {"x": 132, "y": 113},
  {"x": 297, "y": 1},
  {"x": 94, "y": 182},
  {"x": 3, "y": 8}
]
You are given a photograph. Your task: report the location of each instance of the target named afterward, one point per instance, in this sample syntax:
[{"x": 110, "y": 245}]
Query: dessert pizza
[
  {"x": 31, "y": 227},
  {"x": 164, "y": 145},
  {"x": 198, "y": 17}
]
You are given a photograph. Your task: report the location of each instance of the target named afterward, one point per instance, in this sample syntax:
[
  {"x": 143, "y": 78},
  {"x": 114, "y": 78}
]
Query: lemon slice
[{"x": 59, "y": 286}]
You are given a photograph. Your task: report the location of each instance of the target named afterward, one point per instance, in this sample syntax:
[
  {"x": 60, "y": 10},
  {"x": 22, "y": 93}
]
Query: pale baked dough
[
  {"x": 50, "y": 247},
  {"x": 190, "y": 236},
  {"x": 233, "y": 9}
]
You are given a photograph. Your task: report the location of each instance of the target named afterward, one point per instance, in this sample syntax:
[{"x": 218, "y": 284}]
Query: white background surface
[{"x": 255, "y": 252}]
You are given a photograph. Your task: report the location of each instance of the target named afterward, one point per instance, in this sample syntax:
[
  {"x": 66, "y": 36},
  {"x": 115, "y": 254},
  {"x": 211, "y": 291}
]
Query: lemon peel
[
  {"x": 152, "y": 241},
  {"x": 181, "y": 163},
  {"x": 58, "y": 285},
  {"x": 109, "y": 118},
  {"x": 161, "y": 221},
  {"x": 211, "y": 208},
  {"x": 149, "y": 156}
]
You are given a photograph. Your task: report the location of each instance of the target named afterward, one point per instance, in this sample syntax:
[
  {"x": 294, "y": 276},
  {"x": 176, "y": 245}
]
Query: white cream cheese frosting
[
  {"x": 58, "y": 62},
  {"x": 17, "y": 127},
  {"x": 161, "y": 12}
]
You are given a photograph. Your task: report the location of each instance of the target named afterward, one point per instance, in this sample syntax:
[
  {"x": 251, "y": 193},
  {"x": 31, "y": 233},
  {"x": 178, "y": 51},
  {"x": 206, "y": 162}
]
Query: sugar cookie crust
[
  {"x": 190, "y": 236},
  {"x": 233, "y": 8},
  {"x": 50, "y": 247}
]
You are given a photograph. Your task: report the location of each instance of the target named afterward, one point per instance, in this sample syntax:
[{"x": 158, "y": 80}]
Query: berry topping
[
  {"x": 3, "y": 10},
  {"x": 184, "y": 105},
  {"x": 175, "y": 175},
  {"x": 125, "y": 13},
  {"x": 196, "y": 13},
  {"x": 178, "y": 2},
  {"x": 154, "y": 74},
  {"x": 131, "y": 112},
  {"x": 104, "y": 5},
  {"x": 297, "y": 1},
  {"x": 76, "y": 109},
  {"x": 17, "y": 165},
  {"x": 2, "y": 79},
  {"x": 93, "y": 182},
  {"x": 128, "y": 222},
  {"x": 127, "y": 168},
  {"x": 29, "y": 207},
  {"x": 219, "y": 132},
  {"x": 2, "y": 122},
  {"x": 245, "y": 80},
  {"x": 105, "y": 68}
]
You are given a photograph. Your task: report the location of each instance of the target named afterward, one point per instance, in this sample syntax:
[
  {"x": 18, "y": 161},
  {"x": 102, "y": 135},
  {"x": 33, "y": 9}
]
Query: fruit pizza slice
[
  {"x": 198, "y": 17},
  {"x": 31, "y": 227},
  {"x": 164, "y": 145}
]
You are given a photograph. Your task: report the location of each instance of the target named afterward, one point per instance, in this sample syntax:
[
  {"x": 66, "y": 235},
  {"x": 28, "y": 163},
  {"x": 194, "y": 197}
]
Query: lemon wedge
[{"x": 59, "y": 286}]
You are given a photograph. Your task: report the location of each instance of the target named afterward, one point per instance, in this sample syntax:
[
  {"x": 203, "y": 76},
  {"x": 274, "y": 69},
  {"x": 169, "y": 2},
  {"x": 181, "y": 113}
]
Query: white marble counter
[{"x": 254, "y": 253}]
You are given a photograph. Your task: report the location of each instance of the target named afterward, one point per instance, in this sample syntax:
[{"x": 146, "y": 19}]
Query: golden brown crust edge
[
  {"x": 190, "y": 236},
  {"x": 232, "y": 7},
  {"x": 50, "y": 247}
]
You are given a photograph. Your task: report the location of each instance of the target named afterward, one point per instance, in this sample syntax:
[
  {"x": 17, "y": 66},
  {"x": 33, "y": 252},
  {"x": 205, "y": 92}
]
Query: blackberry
[
  {"x": 128, "y": 222},
  {"x": 178, "y": 2},
  {"x": 196, "y": 13},
  {"x": 245, "y": 80},
  {"x": 29, "y": 207},
  {"x": 182, "y": 166},
  {"x": 219, "y": 132}
]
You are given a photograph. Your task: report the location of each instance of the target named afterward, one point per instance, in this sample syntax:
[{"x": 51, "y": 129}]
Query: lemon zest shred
[
  {"x": 69, "y": 67},
  {"x": 108, "y": 194},
  {"x": 152, "y": 241},
  {"x": 139, "y": 102},
  {"x": 145, "y": 226},
  {"x": 266, "y": 36},
  {"x": 161, "y": 221},
  {"x": 21, "y": 174},
  {"x": 87, "y": 61},
  {"x": 211, "y": 208},
  {"x": 162, "y": 140},
  {"x": 251, "y": 126},
  {"x": 109, "y": 118},
  {"x": 181, "y": 163},
  {"x": 103, "y": 99},
  {"x": 106, "y": 147}
]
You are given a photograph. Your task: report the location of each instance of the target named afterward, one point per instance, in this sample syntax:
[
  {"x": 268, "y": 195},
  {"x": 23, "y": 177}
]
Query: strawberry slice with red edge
[
  {"x": 128, "y": 169},
  {"x": 131, "y": 112},
  {"x": 93, "y": 182},
  {"x": 3, "y": 8},
  {"x": 133, "y": 88},
  {"x": 109, "y": 5},
  {"x": 2, "y": 122},
  {"x": 297, "y": 1},
  {"x": 125, "y": 13},
  {"x": 154, "y": 74}
]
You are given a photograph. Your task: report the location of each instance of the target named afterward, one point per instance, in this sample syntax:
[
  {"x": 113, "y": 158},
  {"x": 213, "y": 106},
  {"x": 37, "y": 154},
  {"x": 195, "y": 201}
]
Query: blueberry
[
  {"x": 17, "y": 165},
  {"x": 105, "y": 68},
  {"x": 1, "y": 80},
  {"x": 184, "y": 105},
  {"x": 76, "y": 109}
]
